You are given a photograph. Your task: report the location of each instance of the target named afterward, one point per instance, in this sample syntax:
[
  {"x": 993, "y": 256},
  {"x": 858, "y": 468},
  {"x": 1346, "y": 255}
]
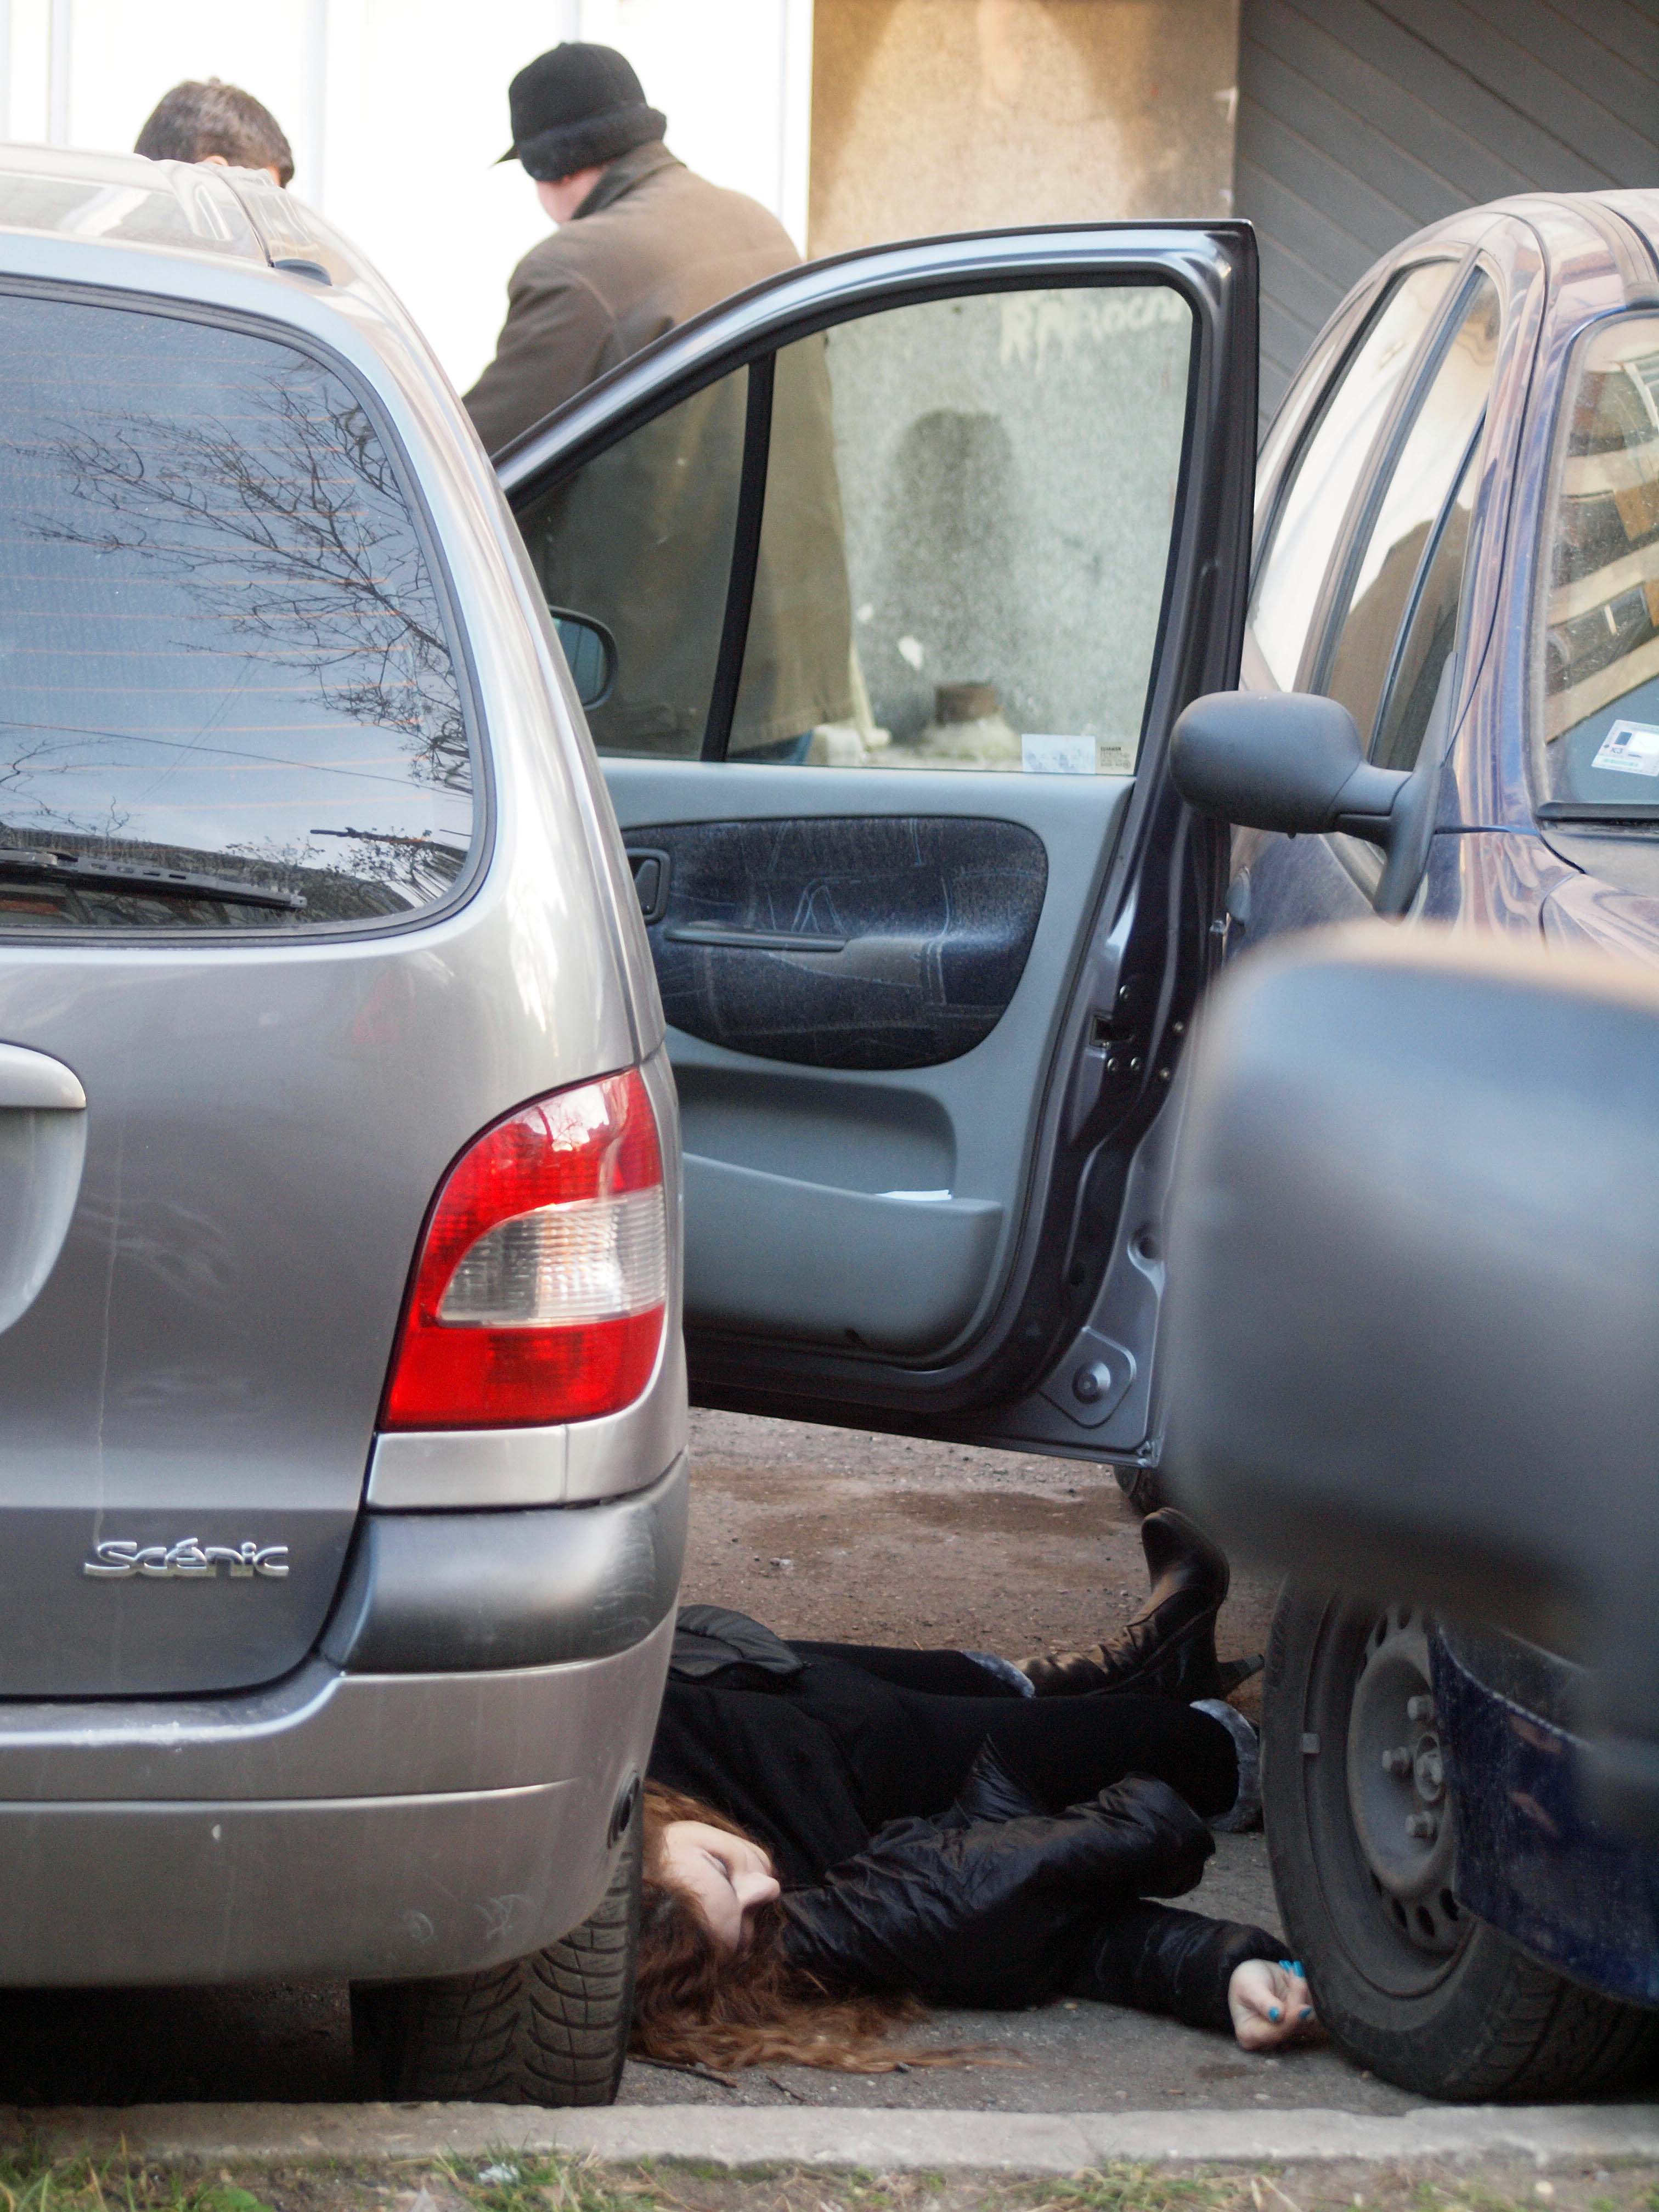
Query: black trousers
[{"x": 1067, "y": 1748}]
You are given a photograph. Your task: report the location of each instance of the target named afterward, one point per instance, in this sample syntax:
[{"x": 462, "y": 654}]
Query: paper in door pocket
[{"x": 1630, "y": 748}]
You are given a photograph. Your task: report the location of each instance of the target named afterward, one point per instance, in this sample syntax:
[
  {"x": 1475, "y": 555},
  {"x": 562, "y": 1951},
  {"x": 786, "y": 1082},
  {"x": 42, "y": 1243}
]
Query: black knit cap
[{"x": 577, "y": 106}]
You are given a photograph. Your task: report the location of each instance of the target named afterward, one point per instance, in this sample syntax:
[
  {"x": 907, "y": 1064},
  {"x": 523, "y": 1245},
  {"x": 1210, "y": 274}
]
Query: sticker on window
[
  {"x": 1630, "y": 748},
  {"x": 1049, "y": 756}
]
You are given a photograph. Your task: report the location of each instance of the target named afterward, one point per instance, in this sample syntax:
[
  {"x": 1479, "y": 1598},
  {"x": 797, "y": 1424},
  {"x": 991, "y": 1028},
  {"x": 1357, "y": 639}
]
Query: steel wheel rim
[{"x": 1404, "y": 1823}]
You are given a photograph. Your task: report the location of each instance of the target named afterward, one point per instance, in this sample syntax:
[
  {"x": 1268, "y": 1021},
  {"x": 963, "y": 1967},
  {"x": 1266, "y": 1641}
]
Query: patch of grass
[
  {"x": 31, "y": 2182},
  {"x": 520, "y": 2181},
  {"x": 1124, "y": 2188},
  {"x": 1474, "y": 2196}
]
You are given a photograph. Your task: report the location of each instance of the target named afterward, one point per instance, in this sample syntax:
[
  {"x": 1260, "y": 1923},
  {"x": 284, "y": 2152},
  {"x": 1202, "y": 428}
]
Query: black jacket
[
  {"x": 809, "y": 1760},
  {"x": 998, "y": 1904}
]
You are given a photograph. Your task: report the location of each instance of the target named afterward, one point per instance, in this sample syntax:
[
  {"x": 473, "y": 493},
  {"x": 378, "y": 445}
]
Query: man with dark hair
[
  {"x": 218, "y": 123},
  {"x": 642, "y": 244}
]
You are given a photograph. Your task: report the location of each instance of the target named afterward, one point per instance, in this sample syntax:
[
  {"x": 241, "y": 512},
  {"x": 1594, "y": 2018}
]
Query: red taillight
[{"x": 541, "y": 1286}]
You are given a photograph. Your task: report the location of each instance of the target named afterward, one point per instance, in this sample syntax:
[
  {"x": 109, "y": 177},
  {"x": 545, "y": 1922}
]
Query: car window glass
[
  {"x": 226, "y": 695},
  {"x": 1290, "y": 414},
  {"x": 1430, "y": 462},
  {"x": 1431, "y": 633},
  {"x": 798, "y": 663},
  {"x": 966, "y": 534},
  {"x": 1315, "y": 505},
  {"x": 1597, "y": 649},
  {"x": 640, "y": 540}
]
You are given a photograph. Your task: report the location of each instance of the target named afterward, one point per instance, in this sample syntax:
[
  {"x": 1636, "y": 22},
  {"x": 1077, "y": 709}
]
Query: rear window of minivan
[{"x": 228, "y": 696}]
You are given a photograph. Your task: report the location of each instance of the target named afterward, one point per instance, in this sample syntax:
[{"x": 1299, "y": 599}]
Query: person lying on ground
[{"x": 837, "y": 1835}]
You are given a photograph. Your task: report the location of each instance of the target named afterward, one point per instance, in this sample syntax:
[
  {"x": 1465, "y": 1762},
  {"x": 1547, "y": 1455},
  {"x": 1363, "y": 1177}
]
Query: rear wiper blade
[
  {"x": 39, "y": 865},
  {"x": 1596, "y": 809},
  {"x": 425, "y": 844}
]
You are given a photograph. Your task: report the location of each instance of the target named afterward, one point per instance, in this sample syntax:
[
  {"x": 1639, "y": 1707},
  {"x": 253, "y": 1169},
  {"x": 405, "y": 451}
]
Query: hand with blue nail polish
[{"x": 1270, "y": 2004}]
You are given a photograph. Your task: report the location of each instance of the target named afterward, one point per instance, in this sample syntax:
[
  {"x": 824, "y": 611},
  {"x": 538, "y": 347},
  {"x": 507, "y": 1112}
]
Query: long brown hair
[{"x": 697, "y": 2003}]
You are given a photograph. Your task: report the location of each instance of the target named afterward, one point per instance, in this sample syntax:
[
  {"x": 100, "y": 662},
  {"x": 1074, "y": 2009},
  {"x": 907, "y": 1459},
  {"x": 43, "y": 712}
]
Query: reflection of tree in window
[
  {"x": 228, "y": 698},
  {"x": 298, "y": 539}
]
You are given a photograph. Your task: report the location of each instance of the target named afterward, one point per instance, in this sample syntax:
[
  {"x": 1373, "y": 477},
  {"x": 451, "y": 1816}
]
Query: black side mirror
[
  {"x": 1414, "y": 1295},
  {"x": 1292, "y": 762},
  {"x": 590, "y": 650}
]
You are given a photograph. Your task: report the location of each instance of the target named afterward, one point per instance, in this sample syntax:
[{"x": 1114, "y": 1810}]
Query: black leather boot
[{"x": 1168, "y": 1648}]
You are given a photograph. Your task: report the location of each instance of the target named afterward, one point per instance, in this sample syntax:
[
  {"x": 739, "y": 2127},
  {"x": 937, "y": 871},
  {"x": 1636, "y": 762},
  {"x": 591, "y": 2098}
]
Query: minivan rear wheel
[
  {"x": 550, "y": 2029},
  {"x": 1143, "y": 1487},
  {"x": 1362, "y": 1835}
]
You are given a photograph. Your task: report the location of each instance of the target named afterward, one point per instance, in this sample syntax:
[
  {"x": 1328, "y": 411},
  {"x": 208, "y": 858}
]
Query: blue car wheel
[{"x": 1361, "y": 1835}]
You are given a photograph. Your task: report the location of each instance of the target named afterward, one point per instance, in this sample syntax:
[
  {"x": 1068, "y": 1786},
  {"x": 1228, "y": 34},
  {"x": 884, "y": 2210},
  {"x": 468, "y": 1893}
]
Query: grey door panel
[
  {"x": 851, "y": 941},
  {"x": 871, "y": 1206},
  {"x": 894, "y": 1273},
  {"x": 956, "y": 613}
]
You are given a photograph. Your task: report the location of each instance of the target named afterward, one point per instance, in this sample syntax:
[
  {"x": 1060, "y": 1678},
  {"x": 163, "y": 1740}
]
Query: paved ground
[
  {"x": 889, "y": 1540},
  {"x": 827, "y": 1532}
]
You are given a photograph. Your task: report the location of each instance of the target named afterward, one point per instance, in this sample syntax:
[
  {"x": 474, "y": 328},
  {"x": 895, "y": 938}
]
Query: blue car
[{"x": 1457, "y": 540}]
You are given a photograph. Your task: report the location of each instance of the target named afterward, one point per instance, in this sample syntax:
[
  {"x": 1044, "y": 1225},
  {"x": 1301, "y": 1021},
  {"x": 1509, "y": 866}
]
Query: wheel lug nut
[
  {"x": 1419, "y": 1709},
  {"x": 1397, "y": 1761},
  {"x": 1424, "y": 1826}
]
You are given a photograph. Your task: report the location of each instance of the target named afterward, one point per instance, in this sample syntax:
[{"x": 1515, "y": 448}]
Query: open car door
[{"x": 906, "y": 562}]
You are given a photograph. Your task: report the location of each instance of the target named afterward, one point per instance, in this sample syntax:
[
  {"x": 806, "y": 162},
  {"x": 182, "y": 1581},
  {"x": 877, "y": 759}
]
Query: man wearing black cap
[
  {"x": 642, "y": 244},
  {"x": 640, "y": 538}
]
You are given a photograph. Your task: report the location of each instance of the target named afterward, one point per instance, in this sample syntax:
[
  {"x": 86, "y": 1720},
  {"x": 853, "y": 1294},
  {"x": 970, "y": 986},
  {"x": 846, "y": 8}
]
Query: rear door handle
[
  {"x": 32, "y": 1082},
  {"x": 651, "y": 868}
]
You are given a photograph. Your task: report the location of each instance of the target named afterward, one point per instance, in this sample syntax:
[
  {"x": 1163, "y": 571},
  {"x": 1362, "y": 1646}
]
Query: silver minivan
[
  {"x": 343, "y": 1457},
  {"x": 343, "y": 1477}
]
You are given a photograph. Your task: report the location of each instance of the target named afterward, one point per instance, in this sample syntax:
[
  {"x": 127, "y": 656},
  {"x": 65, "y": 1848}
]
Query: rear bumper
[
  {"x": 1531, "y": 1860},
  {"x": 430, "y": 1793}
]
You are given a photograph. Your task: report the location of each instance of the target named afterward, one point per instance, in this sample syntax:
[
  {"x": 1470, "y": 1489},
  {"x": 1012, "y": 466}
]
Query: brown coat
[
  {"x": 650, "y": 247},
  {"x": 641, "y": 537}
]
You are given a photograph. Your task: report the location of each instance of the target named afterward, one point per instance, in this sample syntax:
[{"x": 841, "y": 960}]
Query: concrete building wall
[
  {"x": 1008, "y": 504},
  {"x": 938, "y": 115},
  {"x": 1008, "y": 468}
]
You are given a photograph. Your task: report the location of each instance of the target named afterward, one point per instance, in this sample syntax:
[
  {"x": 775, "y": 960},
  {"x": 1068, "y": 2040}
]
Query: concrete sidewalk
[{"x": 876, "y": 2141}]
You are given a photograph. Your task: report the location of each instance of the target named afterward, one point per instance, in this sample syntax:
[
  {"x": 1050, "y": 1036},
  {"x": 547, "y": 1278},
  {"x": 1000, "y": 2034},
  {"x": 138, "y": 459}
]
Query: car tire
[
  {"x": 550, "y": 2029},
  {"x": 1143, "y": 1487},
  {"x": 1407, "y": 1983}
]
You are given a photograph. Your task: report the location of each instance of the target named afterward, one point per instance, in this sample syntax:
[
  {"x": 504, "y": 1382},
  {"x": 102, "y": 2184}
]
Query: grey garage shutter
[{"x": 1360, "y": 120}]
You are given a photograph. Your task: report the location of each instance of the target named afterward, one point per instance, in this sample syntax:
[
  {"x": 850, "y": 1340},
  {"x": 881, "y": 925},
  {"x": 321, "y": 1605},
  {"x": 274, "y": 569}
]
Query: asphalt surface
[{"x": 823, "y": 1532}]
